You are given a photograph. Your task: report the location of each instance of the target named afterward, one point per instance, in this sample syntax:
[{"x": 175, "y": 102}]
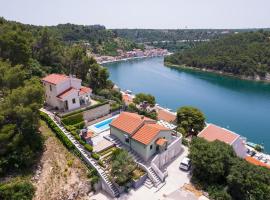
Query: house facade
[
  {"x": 143, "y": 135},
  {"x": 65, "y": 93},
  {"x": 212, "y": 132}
]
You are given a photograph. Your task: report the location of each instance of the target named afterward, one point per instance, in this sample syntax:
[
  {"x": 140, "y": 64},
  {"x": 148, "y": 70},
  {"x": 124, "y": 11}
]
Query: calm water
[{"x": 241, "y": 106}]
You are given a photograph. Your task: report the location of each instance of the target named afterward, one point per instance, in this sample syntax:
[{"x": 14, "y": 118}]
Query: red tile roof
[
  {"x": 256, "y": 162},
  {"x": 148, "y": 132},
  {"x": 141, "y": 129},
  {"x": 85, "y": 90},
  {"x": 161, "y": 141},
  {"x": 129, "y": 122},
  {"x": 89, "y": 135},
  {"x": 55, "y": 78},
  {"x": 213, "y": 132},
  {"x": 67, "y": 92},
  {"x": 166, "y": 115}
]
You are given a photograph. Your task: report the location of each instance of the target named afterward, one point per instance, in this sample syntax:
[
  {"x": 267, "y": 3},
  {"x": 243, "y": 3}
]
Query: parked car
[{"x": 185, "y": 164}]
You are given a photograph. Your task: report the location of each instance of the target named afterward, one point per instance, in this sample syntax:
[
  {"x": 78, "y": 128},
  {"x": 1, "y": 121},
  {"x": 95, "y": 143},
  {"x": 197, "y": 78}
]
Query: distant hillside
[
  {"x": 95, "y": 37},
  {"x": 175, "y": 39},
  {"x": 244, "y": 54}
]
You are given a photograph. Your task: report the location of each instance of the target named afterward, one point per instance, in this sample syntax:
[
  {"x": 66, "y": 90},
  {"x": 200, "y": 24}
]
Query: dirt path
[{"x": 60, "y": 175}]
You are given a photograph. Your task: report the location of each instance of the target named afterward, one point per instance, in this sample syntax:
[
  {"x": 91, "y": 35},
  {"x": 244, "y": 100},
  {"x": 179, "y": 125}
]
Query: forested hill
[
  {"x": 159, "y": 35},
  {"x": 95, "y": 37},
  {"x": 244, "y": 54}
]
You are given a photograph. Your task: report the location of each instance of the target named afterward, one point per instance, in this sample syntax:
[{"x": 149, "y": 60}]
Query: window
[
  {"x": 50, "y": 88},
  {"x": 73, "y": 101},
  {"x": 151, "y": 146},
  {"x": 126, "y": 139}
]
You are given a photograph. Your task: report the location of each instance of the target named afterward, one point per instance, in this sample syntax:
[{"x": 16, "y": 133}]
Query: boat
[{"x": 253, "y": 145}]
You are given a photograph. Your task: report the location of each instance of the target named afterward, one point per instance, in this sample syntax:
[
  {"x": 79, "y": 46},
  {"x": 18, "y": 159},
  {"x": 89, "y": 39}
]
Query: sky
[{"x": 156, "y": 14}]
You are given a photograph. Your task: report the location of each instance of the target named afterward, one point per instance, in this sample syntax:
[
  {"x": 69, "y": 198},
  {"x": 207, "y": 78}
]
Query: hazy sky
[{"x": 141, "y": 13}]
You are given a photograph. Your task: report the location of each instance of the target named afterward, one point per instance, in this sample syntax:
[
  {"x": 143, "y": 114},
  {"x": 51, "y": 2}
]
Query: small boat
[
  {"x": 253, "y": 145},
  {"x": 128, "y": 91}
]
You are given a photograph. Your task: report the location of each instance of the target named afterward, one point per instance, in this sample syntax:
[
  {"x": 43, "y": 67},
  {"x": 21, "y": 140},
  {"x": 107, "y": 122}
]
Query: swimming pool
[{"x": 102, "y": 126}]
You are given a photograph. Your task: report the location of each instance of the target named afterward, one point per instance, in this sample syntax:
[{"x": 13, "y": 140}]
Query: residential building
[
  {"x": 143, "y": 135},
  {"x": 212, "y": 132},
  {"x": 65, "y": 93},
  {"x": 165, "y": 115}
]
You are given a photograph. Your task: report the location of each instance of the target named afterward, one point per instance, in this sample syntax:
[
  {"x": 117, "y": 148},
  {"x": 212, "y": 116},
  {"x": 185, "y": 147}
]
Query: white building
[
  {"x": 212, "y": 132},
  {"x": 65, "y": 92}
]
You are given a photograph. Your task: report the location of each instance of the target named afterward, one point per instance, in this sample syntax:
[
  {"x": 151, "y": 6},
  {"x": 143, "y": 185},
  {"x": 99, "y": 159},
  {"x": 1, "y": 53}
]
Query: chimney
[{"x": 142, "y": 117}]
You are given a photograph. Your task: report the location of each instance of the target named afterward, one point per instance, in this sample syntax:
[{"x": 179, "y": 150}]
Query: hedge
[
  {"x": 87, "y": 108},
  {"x": 79, "y": 125},
  {"x": 88, "y": 147},
  {"x": 64, "y": 139},
  {"x": 95, "y": 156},
  {"x": 73, "y": 119}
]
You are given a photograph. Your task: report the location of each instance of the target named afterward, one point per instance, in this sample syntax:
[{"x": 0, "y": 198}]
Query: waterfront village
[
  {"x": 135, "y": 53},
  {"x": 150, "y": 150}
]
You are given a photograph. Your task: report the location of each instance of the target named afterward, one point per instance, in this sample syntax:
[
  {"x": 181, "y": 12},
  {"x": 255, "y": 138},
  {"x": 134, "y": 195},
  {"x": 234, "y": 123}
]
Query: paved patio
[{"x": 175, "y": 180}]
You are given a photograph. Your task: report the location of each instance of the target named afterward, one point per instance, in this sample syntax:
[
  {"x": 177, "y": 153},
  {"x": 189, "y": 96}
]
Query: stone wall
[{"x": 97, "y": 112}]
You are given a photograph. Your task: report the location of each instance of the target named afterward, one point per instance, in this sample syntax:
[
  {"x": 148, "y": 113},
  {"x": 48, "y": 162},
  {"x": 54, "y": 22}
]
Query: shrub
[
  {"x": 17, "y": 190},
  {"x": 95, "y": 156},
  {"x": 101, "y": 163},
  {"x": 73, "y": 119},
  {"x": 88, "y": 147},
  {"x": 64, "y": 139},
  {"x": 79, "y": 125},
  {"x": 185, "y": 142}
]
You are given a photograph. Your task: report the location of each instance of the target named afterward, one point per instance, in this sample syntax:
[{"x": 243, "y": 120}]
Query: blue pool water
[{"x": 103, "y": 125}]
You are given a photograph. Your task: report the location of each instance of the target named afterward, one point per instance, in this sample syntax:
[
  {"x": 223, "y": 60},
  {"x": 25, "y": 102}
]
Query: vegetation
[
  {"x": 63, "y": 138},
  {"x": 218, "y": 170},
  {"x": 132, "y": 108},
  {"x": 16, "y": 190},
  {"x": 73, "y": 119},
  {"x": 20, "y": 100},
  {"x": 141, "y": 98},
  {"x": 95, "y": 156},
  {"x": 243, "y": 54},
  {"x": 122, "y": 167},
  {"x": 190, "y": 120}
]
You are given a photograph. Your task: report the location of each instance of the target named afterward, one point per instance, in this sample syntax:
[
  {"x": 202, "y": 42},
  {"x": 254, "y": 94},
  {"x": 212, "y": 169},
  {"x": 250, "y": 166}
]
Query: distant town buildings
[{"x": 135, "y": 53}]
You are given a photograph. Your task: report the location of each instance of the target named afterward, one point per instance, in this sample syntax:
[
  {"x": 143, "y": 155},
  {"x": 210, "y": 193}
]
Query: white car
[{"x": 185, "y": 164}]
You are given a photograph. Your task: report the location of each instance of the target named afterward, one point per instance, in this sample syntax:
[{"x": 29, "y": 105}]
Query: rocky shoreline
[{"x": 265, "y": 79}]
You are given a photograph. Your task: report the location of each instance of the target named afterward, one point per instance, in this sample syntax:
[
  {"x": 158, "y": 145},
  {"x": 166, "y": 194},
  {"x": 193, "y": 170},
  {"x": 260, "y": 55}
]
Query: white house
[
  {"x": 212, "y": 132},
  {"x": 145, "y": 136},
  {"x": 65, "y": 92}
]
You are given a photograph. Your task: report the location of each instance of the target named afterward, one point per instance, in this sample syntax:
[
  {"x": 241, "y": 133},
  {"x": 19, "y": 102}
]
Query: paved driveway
[{"x": 175, "y": 180}]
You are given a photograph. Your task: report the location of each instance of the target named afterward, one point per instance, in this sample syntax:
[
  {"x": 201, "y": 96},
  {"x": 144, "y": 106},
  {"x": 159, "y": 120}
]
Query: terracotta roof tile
[
  {"x": 213, "y": 132},
  {"x": 67, "y": 92},
  {"x": 148, "y": 132},
  {"x": 161, "y": 141},
  {"x": 55, "y": 78},
  {"x": 85, "y": 90},
  {"x": 165, "y": 115},
  {"x": 129, "y": 122},
  {"x": 256, "y": 162},
  {"x": 89, "y": 135}
]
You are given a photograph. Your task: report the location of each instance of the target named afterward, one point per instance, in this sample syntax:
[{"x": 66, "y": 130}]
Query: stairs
[
  {"x": 148, "y": 182},
  {"x": 157, "y": 180},
  {"x": 86, "y": 156}
]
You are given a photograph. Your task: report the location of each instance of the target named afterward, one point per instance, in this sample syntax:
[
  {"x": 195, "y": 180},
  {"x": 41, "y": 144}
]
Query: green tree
[
  {"x": 98, "y": 77},
  {"x": 247, "y": 181},
  {"x": 211, "y": 161},
  {"x": 141, "y": 97},
  {"x": 122, "y": 166},
  {"x": 190, "y": 120}
]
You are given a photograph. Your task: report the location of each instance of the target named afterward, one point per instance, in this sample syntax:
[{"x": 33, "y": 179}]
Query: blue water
[
  {"x": 104, "y": 124},
  {"x": 241, "y": 106}
]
